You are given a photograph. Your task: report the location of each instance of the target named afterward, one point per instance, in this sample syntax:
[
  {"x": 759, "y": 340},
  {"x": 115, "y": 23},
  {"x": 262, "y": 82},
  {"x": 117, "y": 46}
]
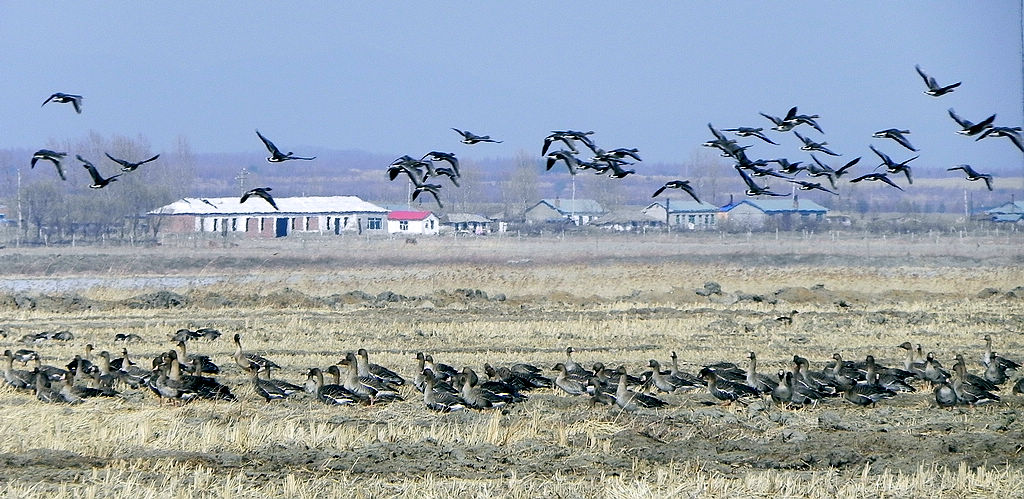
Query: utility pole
[
  {"x": 242, "y": 176},
  {"x": 17, "y": 237}
]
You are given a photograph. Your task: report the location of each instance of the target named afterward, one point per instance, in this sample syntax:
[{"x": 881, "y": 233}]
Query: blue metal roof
[{"x": 788, "y": 205}]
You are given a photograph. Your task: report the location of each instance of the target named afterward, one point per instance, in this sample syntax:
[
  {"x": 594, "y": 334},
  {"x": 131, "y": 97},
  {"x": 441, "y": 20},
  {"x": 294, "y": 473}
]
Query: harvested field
[{"x": 468, "y": 301}]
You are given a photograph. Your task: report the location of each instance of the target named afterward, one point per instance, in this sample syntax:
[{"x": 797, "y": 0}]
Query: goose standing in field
[
  {"x": 251, "y": 361},
  {"x": 759, "y": 382},
  {"x": 945, "y": 396},
  {"x": 665, "y": 381},
  {"x": 973, "y": 175},
  {"x": 567, "y": 383},
  {"x": 260, "y": 192},
  {"x": 330, "y": 394},
  {"x": 128, "y": 166},
  {"x": 98, "y": 182},
  {"x": 893, "y": 379},
  {"x": 969, "y": 128},
  {"x": 472, "y": 138},
  {"x": 44, "y": 392},
  {"x": 15, "y": 377},
  {"x": 895, "y": 134},
  {"x": 814, "y": 380},
  {"x": 629, "y": 400},
  {"x": 63, "y": 98},
  {"x": 367, "y": 369},
  {"x": 269, "y": 389},
  {"x": 967, "y": 393},
  {"x": 206, "y": 365},
  {"x": 275, "y": 154},
  {"x": 1012, "y": 133},
  {"x": 934, "y": 89},
  {"x": 24, "y": 355},
  {"x": 974, "y": 379},
  {"x": 991, "y": 357},
  {"x": 441, "y": 371},
  {"x": 725, "y": 390},
  {"x": 369, "y": 390},
  {"x": 440, "y": 400},
  {"x": 51, "y": 156},
  {"x": 203, "y": 387},
  {"x": 127, "y": 337}
]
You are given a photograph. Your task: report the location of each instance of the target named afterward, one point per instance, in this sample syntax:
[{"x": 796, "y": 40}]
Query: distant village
[{"x": 340, "y": 215}]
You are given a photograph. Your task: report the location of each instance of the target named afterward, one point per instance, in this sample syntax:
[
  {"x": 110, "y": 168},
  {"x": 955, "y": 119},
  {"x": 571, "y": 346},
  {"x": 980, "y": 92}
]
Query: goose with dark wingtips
[
  {"x": 744, "y": 131},
  {"x": 567, "y": 157},
  {"x": 371, "y": 390},
  {"x": 934, "y": 89},
  {"x": 757, "y": 381},
  {"x": 969, "y": 128},
  {"x": 51, "y": 156},
  {"x": 810, "y": 186},
  {"x": 756, "y": 190},
  {"x": 968, "y": 393},
  {"x": 98, "y": 182},
  {"x": 275, "y": 154},
  {"x": 446, "y": 157},
  {"x": 63, "y": 98},
  {"x": 683, "y": 185},
  {"x": 973, "y": 175},
  {"x": 895, "y": 134},
  {"x": 330, "y": 394},
  {"x": 787, "y": 167},
  {"x": 366, "y": 368},
  {"x": 630, "y": 400},
  {"x": 17, "y": 378},
  {"x": 991, "y": 356},
  {"x": 440, "y": 400},
  {"x": 811, "y": 145},
  {"x": 128, "y": 166},
  {"x": 1012, "y": 133},
  {"x": 260, "y": 192},
  {"x": 472, "y": 138},
  {"x": 566, "y": 383},
  {"x": 894, "y": 167},
  {"x": 879, "y": 177}
]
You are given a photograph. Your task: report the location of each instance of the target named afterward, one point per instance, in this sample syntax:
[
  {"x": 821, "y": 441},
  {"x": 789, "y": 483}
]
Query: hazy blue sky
[{"x": 394, "y": 77}]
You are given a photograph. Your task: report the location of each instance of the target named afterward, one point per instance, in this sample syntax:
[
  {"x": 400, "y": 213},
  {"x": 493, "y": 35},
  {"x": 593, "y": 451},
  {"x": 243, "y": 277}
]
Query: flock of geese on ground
[
  {"x": 614, "y": 162},
  {"x": 179, "y": 377}
]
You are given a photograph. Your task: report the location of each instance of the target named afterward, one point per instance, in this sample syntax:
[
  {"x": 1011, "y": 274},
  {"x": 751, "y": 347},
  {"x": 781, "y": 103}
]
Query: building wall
[
  {"x": 747, "y": 216},
  {"x": 427, "y": 226},
  {"x": 542, "y": 213},
  {"x": 266, "y": 226}
]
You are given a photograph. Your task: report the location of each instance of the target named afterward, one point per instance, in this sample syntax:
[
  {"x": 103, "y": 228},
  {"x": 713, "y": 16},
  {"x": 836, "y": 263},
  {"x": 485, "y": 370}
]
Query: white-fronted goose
[
  {"x": 726, "y": 390},
  {"x": 250, "y": 361},
  {"x": 260, "y": 192},
  {"x": 973, "y": 175},
  {"x": 759, "y": 382},
  {"x": 98, "y": 182},
  {"x": 934, "y": 89},
  {"x": 990, "y": 356},
  {"x": 15, "y": 377},
  {"x": 331, "y": 394},
  {"x": 566, "y": 383},
  {"x": 371, "y": 390},
  {"x": 895, "y": 134},
  {"x": 366, "y": 368},
  {"x": 128, "y": 166},
  {"x": 440, "y": 400},
  {"x": 472, "y": 138},
  {"x": 1012, "y": 133},
  {"x": 969, "y": 128},
  {"x": 276, "y": 156},
  {"x": 51, "y": 156}
]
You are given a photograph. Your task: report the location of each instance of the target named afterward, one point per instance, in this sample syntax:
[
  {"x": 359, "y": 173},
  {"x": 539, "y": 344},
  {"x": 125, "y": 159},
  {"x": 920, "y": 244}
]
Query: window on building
[
  {"x": 373, "y": 223},
  {"x": 215, "y": 224},
  {"x": 262, "y": 220},
  {"x": 679, "y": 219},
  {"x": 344, "y": 222},
  {"x": 692, "y": 219},
  {"x": 403, "y": 225},
  {"x": 234, "y": 224}
]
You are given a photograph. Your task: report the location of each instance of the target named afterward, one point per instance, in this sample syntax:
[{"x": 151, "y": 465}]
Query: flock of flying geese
[
  {"x": 614, "y": 162},
  {"x": 178, "y": 376}
]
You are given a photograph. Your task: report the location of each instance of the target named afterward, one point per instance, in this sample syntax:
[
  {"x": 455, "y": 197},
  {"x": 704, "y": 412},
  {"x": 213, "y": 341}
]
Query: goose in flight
[
  {"x": 444, "y": 156},
  {"x": 754, "y": 189},
  {"x": 51, "y": 156},
  {"x": 969, "y": 128},
  {"x": 744, "y": 131},
  {"x": 807, "y": 186},
  {"x": 567, "y": 137},
  {"x": 934, "y": 89},
  {"x": 683, "y": 185},
  {"x": 275, "y": 154},
  {"x": 973, "y": 175},
  {"x": 471, "y": 138},
  {"x": 63, "y": 98},
  {"x": 562, "y": 155},
  {"x": 261, "y": 192},
  {"x": 430, "y": 188},
  {"x": 895, "y": 134},
  {"x": 810, "y": 145},
  {"x": 414, "y": 168},
  {"x": 879, "y": 177},
  {"x": 836, "y": 173},
  {"x": 1012, "y": 133},
  {"x": 98, "y": 182},
  {"x": 892, "y": 166},
  {"x": 786, "y": 167},
  {"x": 127, "y": 166}
]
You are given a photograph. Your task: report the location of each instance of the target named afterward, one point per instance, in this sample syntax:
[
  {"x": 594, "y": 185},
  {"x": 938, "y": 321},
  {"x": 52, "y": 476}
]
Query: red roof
[{"x": 408, "y": 215}]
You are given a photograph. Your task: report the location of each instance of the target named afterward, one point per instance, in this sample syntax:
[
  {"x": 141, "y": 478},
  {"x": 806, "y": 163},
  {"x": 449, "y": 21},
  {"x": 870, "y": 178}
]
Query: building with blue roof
[{"x": 785, "y": 213}]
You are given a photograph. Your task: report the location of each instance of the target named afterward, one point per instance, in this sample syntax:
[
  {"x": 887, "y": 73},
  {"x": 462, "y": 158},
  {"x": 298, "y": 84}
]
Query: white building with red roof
[{"x": 413, "y": 222}]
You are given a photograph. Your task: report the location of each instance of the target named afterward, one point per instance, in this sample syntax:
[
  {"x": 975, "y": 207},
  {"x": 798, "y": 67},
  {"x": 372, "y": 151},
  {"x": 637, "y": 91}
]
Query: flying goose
[
  {"x": 444, "y": 156},
  {"x": 261, "y": 192},
  {"x": 98, "y": 182},
  {"x": 683, "y": 185},
  {"x": 934, "y": 89},
  {"x": 51, "y": 156},
  {"x": 895, "y": 134},
  {"x": 275, "y": 154},
  {"x": 1012, "y": 133},
  {"x": 750, "y": 132},
  {"x": 967, "y": 127},
  {"x": 128, "y": 166},
  {"x": 471, "y": 138},
  {"x": 571, "y": 162},
  {"x": 892, "y": 166},
  {"x": 881, "y": 177},
  {"x": 433, "y": 189},
  {"x": 786, "y": 167},
  {"x": 973, "y": 175},
  {"x": 63, "y": 98},
  {"x": 754, "y": 189},
  {"x": 810, "y": 145}
]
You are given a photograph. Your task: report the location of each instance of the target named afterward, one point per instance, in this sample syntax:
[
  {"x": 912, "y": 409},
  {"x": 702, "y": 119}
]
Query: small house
[
  {"x": 685, "y": 214},
  {"x": 578, "y": 211},
  {"x": 467, "y": 223},
  {"x": 413, "y": 223},
  {"x": 786, "y": 213}
]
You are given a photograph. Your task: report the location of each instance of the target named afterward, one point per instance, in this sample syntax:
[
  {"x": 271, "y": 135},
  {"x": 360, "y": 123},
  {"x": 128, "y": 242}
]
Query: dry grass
[{"x": 623, "y": 311}]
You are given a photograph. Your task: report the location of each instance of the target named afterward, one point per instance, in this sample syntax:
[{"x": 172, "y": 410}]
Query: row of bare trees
[{"x": 52, "y": 211}]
